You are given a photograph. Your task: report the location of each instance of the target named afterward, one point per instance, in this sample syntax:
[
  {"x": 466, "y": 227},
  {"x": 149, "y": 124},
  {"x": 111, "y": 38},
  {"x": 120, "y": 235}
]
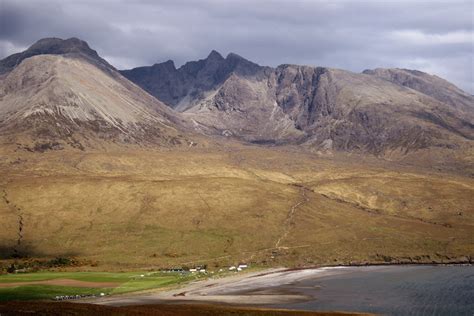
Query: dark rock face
[
  {"x": 191, "y": 80},
  {"x": 72, "y": 47},
  {"x": 305, "y": 93},
  {"x": 170, "y": 88}
]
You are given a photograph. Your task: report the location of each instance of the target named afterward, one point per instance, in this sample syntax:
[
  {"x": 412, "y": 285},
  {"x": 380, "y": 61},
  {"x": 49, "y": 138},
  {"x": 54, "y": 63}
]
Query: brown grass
[{"x": 146, "y": 209}]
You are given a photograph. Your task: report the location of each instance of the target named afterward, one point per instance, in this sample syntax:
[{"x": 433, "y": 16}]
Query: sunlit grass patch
[{"x": 126, "y": 281}]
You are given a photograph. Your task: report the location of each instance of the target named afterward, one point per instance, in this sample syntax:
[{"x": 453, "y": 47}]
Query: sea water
[{"x": 389, "y": 290}]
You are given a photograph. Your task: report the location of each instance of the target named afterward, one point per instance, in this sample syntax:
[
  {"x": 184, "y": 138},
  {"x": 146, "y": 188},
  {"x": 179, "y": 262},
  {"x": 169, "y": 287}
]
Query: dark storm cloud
[{"x": 433, "y": 36}]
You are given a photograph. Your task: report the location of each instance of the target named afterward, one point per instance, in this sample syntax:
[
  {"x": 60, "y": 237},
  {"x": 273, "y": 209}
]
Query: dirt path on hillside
[
  {"x": 289, "y": 218},
  {"x": 62, "y": 282}
]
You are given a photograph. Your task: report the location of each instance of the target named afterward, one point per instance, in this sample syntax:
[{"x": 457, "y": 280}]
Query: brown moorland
[{"x": 268, "y": 206}]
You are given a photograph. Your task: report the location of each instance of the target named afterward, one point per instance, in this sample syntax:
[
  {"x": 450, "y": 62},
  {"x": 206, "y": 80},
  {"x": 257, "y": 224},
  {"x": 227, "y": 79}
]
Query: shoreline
[
  {"x": 469, "y": 262},
  {"x": 217, "y": 290},
  {"x": 336, "y": 290},
  {"x": 246, "y": 289}
]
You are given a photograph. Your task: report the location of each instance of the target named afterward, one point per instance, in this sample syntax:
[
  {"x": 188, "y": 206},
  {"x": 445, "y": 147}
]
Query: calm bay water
[{"x": 389, "y": 290}]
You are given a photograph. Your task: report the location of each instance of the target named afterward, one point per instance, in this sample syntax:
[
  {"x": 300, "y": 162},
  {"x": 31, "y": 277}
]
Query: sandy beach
[{"x": 252, "y": 288}]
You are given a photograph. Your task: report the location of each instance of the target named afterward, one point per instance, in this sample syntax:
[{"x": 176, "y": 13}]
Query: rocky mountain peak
[
  {"x": 192, "y": 81},
  {"x": 165, "y": 66},
  {"x": 54, "y": 45},
  {"x": 235, "y": 59},
  {"x": 72, "y": 47},
  {"x": 234, "y": 56},
  {"x": 239, "y": 65},
  {"x": 215, "y": 55},
  {"x": 70, "y": 101}
]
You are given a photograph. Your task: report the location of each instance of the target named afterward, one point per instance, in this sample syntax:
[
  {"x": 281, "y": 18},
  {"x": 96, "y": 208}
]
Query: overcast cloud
[{"x": 432, "y": 36}]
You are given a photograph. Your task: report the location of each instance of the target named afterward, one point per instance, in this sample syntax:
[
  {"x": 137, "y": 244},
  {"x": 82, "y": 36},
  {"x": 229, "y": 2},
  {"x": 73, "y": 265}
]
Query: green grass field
[
  {"x": 45, "y": 292},
  {"x": 129, "y": 282}
]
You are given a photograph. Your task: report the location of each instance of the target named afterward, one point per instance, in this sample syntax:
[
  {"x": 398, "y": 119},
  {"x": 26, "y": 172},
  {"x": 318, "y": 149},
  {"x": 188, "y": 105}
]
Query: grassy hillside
[{"x": 269, "y": 206}]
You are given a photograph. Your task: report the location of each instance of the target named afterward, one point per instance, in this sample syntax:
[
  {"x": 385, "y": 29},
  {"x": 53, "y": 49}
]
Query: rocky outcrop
[{"x": 305, "y": 93}]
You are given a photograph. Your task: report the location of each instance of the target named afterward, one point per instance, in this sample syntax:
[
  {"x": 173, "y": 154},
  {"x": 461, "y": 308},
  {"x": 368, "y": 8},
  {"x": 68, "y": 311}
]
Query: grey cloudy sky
[{"x": 432, "y": 36}]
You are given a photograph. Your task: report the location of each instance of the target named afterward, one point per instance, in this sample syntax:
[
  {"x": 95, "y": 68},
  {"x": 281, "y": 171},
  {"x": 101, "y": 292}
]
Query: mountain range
[
  {"x": 62, "y": 90},
  {"x": 376, "y": 111}
]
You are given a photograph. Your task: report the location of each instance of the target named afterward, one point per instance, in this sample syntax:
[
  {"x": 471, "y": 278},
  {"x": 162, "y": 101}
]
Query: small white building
[
  {"x": 232, "y": 268},
  {"x": 192, "y": 270},
  {"x": 243, "y": 266}
]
